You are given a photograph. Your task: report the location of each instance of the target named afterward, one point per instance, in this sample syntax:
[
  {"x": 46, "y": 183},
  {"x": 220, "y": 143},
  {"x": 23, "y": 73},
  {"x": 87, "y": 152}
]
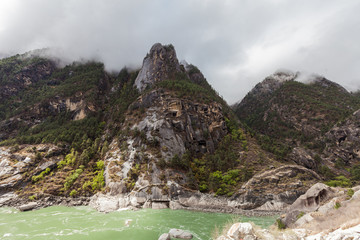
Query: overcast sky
[{"x": 235, "y": 43}]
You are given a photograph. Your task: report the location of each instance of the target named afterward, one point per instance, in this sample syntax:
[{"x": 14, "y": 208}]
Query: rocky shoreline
[
  {"x": 107, "y": 204},
  {"x": 322, "y": 213},
  {"x": 12, "y": 200}
]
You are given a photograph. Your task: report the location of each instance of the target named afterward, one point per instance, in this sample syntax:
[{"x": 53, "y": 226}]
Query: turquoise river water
[{"x": 79, "y": 223}]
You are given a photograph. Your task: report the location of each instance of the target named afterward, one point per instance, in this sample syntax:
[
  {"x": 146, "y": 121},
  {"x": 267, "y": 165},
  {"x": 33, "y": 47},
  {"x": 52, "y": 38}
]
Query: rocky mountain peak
[
  {"x": 266, "y": 87},
  {"x": 325, "y": 83},
  {"x": 273, "y": 82},
  {"x": 159, "y": 64}
]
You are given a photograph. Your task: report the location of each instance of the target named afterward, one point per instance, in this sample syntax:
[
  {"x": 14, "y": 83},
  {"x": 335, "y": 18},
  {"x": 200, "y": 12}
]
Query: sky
[{"x": 235, "y": 43}]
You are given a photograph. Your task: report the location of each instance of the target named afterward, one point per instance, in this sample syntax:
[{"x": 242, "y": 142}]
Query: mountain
[
  {"x": 305, "y": 123},
  {"x": 159, "y": 136}
]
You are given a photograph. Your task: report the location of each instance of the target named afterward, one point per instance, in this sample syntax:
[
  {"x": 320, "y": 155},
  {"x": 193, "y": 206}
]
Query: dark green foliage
[
  {"x": 186, "y": 89},
  {"x": 339, "y": 163},
  {"x": 326, "y": 172},
  {"x": 178, "y": 162},
  {"x": 70, "y": 80},
  {"x": 355, "y": 172},
  {"x": 275, "y": 116},
  {"x": 317, "y": 159},
  {"x": 60, "y": 129},
  {"x": 11, "y": 66},
  {"x": 120, "y": 100},
  {"x": 274, "y": 146}
]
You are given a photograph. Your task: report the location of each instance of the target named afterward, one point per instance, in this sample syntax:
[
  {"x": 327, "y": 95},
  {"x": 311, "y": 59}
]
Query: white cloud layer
[{"x": 235, "y": 43}]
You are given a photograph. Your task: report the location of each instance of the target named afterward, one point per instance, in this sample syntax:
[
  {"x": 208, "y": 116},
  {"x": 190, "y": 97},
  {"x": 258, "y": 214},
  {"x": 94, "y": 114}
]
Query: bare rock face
[
  {"x": 275, "y": 189},
  {"x": 303, "y": 157},
  {"x": 181, "y": 124},
  {"x": 159, "y": 64},
  {"x": 310, "y": 201},
  {"x": 344, "y": 141}
]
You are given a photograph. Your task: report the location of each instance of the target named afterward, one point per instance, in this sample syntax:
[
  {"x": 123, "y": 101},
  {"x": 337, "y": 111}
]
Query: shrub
[
  {"x": 69, "y": 159},
  {"x": 280, "y": 224},
  {"x": 69, "y": 181},
  {"x": 41, "y": 175},
  {"x": 355, "y": 172},
  {"x": 337, "y": 205},
  {"x": 340, "y": 181},
  {"x": 350, "y": 192},
  {"x": 32, "y": 198},
  {"x": 301, "y": 214},
  {"x": 73, "y": 193},
  {"x": 100, "y": 165},
  {"x": 98, "y": 181}
]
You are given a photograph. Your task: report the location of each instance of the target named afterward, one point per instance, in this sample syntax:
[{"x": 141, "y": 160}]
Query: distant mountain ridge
[{"x": 292, "y": 119}]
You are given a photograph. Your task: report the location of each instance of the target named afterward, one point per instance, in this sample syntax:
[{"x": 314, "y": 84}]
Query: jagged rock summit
[{"x": 159, "y": 64}]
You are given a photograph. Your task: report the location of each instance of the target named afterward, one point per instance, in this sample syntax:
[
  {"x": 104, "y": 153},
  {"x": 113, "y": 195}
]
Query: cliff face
[{"x": 160, "y": 63}]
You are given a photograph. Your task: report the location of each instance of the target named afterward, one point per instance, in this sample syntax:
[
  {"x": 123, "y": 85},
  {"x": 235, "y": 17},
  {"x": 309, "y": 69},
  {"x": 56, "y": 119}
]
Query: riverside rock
[
  {"x": 308, "y": 202},
  {"x": 164, "y": 236},
  {"x": 28, "y": 206},
  {"x": 181, "y": 234},
  {"x": 240, "y": 230}
]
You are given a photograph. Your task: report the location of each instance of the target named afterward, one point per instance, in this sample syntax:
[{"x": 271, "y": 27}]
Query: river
[{"x": 77, "y": 223}]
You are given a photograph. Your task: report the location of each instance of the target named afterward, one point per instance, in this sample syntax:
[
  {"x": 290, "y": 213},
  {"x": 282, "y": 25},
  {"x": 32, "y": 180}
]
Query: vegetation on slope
[{"x": 297, "y": 113}]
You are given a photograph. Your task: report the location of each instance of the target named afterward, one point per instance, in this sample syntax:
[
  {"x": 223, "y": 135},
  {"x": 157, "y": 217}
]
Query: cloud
[{"x": 235, "y": 43}]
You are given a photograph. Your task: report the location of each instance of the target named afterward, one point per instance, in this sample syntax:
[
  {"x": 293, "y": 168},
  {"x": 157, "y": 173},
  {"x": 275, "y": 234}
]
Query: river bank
[{"x": 105, "y": 203}]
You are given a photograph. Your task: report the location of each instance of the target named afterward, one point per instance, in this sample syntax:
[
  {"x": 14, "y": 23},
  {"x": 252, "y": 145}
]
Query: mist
[{"x": 236, "y": 44}]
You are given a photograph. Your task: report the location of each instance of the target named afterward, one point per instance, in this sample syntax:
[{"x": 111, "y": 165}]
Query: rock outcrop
[
  {"x": 308, "y": 202},
  {"x": 327, "y": 214},
  {"x": 275, "y": 189},
  {"x": 160, "y": 63},
  {"x": 343, "y": 141}
]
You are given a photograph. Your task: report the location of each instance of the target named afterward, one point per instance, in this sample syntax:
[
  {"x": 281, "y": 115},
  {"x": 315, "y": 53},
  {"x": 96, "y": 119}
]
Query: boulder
[
  {"x": 240, "y": 230},
  {"x": 28, "y": 206},
  {"x": 223, "y": 238},
  {"x": 105, "y": 203},
  {"x": 308, "y": 202},
  {"x": 312, "y": 199},
  {"x": 265, "y": 234},
  {"x": 164, "y": 236},
  {"x": 178, "y": 233},
  {"x": 249, "y": 237}
]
